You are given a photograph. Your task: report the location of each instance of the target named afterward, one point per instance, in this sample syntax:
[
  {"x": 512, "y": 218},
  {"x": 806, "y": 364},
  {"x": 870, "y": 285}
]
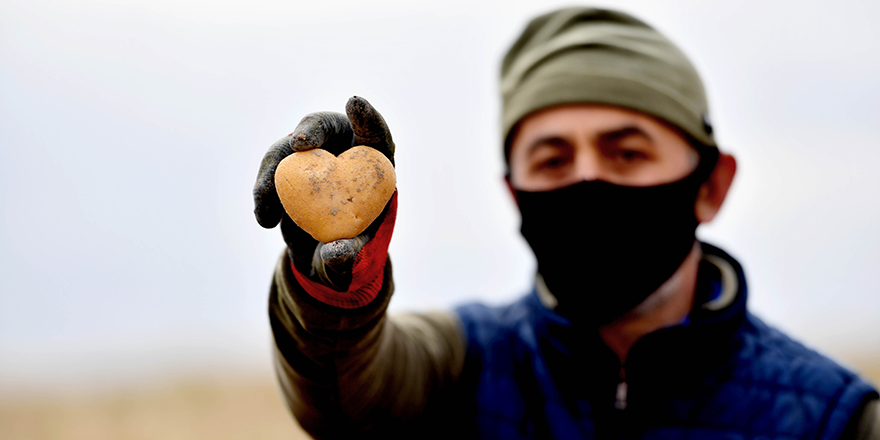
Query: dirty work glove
[{"x": 346, "y": 273}]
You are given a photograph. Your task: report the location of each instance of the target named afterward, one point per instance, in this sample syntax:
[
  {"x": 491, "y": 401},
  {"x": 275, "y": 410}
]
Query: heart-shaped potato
[{"x": 335, "y": 197}]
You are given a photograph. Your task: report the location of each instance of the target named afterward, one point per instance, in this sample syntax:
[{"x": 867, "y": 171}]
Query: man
[{"x": 634, "y": 329}]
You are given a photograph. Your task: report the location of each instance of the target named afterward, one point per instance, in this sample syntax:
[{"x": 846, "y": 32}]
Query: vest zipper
[{"x": 622, "y": 390}]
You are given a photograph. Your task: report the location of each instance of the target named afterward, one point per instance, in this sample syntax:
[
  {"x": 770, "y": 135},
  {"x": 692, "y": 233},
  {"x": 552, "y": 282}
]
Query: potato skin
[{"x": 335, "y": 197}]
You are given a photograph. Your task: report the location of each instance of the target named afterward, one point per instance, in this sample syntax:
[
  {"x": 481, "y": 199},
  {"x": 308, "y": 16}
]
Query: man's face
[{"x": 561, "y": 146}]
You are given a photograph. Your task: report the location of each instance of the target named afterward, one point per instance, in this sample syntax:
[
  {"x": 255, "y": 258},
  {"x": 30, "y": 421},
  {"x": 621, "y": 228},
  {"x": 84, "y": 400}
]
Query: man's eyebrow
[
  {"x": 623, "y": 133},
  {"x": 553, "y": 141}
]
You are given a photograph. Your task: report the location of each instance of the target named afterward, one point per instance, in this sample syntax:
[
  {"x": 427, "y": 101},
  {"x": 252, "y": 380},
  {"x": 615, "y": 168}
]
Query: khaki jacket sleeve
[
  {"x": 359, "y": 371},
  {"x": 869, "y": 422}
]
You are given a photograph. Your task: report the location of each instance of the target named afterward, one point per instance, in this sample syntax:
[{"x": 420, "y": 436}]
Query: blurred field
[
  {"x": 870, "y": 370},
  {"x": 188, "y": 409}
]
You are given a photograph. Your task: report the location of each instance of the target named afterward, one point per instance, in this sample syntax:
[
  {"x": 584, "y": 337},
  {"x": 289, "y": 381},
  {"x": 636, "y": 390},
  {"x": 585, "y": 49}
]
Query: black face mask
[{"x": 603, "y": 248}]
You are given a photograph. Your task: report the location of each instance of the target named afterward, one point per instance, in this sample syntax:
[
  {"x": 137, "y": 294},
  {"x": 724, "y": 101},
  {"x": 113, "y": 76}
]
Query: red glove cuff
[{"x": 367, "y": 273}]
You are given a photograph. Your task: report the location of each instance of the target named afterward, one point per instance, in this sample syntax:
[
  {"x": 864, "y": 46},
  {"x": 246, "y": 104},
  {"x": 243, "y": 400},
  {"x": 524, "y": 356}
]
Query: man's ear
[
  {"x": 510, "y": 188},
  {"x": 714, "y": 189}
]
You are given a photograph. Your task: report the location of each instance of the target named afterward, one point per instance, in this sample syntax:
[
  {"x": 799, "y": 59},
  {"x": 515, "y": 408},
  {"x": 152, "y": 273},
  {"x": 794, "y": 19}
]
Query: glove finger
[
  {"x": 369, "y": 126},
  {"x": 267, "y": 206},
  {"x": 332, "y": 262},
  {"x": 328, "y": 130},
  {"x": 337, "y": 253}
]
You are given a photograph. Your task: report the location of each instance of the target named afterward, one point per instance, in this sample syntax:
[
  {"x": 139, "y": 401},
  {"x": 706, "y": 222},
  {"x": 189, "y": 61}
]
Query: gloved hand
[{"x": 345, "y": 273}]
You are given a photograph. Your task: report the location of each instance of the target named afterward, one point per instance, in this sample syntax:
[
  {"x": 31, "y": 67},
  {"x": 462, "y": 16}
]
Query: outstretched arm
[
  {"x": 344, "y": 366},
  {"x": 362, "y": 371}
]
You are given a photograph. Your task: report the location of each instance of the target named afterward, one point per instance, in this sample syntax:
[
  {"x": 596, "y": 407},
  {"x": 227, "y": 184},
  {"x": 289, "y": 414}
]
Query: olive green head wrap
[{"x": 586, "y": 55}]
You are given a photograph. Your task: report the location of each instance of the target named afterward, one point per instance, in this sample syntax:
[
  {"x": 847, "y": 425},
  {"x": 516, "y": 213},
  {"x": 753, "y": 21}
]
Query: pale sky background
[{"x": 131, "y": 134}]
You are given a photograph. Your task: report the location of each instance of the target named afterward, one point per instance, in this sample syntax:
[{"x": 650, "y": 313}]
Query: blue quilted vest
[{"x": 723, "y": 374}]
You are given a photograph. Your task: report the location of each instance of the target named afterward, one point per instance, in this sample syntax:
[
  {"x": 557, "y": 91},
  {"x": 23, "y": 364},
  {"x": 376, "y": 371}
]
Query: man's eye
[
  {"x": 631, "y": 155},
  {"x": 553, "y": 162}
]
